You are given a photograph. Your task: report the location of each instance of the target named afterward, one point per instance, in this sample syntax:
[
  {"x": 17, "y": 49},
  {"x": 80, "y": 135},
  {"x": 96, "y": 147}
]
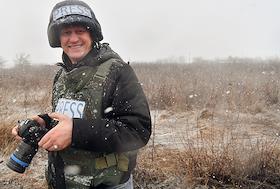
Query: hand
[
  {"x": 39, "y": 120},
  {"x": 36, "y": 118},
  {"x": 15, "y": 133},
  {"x": 59, "y": 137}
]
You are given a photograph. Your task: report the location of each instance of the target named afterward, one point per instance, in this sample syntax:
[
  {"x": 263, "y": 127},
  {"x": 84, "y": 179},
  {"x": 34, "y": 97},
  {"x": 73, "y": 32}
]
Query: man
[{"x": 100, "y": 114}]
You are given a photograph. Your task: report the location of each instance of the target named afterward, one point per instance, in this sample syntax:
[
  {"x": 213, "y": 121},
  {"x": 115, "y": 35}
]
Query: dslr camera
[{"x": 31, "y": 133}]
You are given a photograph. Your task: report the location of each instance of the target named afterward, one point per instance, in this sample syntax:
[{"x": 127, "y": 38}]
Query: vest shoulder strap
[
  {"x": 99, "y": 79},
  {"x": 103, "y": 69}
]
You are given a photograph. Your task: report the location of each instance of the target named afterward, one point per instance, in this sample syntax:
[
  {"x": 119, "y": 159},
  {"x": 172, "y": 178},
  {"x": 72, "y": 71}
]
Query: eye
[
  {"x": 65, "y": 32},
  {"x": 81, "y": 31}
]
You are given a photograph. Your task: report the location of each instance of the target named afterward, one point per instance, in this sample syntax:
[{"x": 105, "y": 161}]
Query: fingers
[
  {"x": 60, "y": 136},
  {"x": 57, "y": 116},
  {"x": 45, "y": 142},
  {"x": 15, "y": 133},
  {"x": 39, "y": 120},
  {"x": 50, "y": 145},
  {"x": 36, "y": 118}
]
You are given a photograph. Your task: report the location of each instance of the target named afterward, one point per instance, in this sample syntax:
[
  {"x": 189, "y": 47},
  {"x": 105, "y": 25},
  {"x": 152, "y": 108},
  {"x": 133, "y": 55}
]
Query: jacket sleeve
[{"x": 126, "y": 121}]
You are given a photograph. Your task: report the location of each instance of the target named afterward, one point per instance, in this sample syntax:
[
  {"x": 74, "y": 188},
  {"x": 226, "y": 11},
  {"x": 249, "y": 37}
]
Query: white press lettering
[
  {"x": 71, "y": 10},
  {"x": 72, "y": 108},
  {"x": 80, "y": 109}
]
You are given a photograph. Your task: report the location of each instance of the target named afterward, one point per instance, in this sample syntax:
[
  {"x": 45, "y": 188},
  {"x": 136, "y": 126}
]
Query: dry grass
[
  {"x": 7, "y": 142},
  {"x": 23, "y": 93},
  {"x": 236, "y": 86},
  {"x": 257, "y": 167},
  {"x": 239, "y": 86}
]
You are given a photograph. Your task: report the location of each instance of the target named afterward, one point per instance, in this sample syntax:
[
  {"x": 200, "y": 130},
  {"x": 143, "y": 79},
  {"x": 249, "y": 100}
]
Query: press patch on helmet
[
  {"x": 72, "y": 108},
  {"x": 71, "y": 10}
]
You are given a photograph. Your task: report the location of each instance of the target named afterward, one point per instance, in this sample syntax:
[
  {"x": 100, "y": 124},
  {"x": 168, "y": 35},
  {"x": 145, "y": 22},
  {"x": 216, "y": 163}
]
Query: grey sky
[{"x": 148, "y": 30}]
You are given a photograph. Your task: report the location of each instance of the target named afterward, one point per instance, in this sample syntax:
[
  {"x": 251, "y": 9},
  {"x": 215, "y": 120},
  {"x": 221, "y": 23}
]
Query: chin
[{"x": 78, "y": 57}]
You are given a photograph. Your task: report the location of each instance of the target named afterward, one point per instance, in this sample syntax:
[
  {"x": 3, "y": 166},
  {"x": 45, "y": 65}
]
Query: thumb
[{"x": 56, "y": 116}]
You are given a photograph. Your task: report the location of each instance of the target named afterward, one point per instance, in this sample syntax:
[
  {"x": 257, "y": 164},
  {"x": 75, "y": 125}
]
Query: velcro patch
[
  {"x": 71, "y": 108},
  {"x": 71, "y": 10}
]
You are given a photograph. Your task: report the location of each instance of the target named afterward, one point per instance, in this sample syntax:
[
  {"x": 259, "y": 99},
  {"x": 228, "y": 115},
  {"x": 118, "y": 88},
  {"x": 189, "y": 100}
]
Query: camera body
[{"x": 31, "y": 133}]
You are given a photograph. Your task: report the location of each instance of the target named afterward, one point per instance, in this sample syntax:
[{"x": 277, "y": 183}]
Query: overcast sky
[{"x": 149, "y": 30}]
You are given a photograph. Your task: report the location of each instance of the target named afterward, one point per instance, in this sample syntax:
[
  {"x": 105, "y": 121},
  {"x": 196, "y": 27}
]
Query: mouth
[{"x": 78, "y": 46}]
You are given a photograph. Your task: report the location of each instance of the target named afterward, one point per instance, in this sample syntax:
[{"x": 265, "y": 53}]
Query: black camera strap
[{"x": 59, "y": 178}]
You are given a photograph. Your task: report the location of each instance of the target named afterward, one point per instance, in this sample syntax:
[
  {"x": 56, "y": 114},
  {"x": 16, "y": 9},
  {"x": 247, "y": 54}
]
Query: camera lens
[
  {"x": 31, "y": 133},
  {"x": 21, "y": 157}
]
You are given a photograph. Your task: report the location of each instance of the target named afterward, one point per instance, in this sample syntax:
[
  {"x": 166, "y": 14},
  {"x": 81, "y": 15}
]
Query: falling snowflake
[{"x": 107, "y": 110}]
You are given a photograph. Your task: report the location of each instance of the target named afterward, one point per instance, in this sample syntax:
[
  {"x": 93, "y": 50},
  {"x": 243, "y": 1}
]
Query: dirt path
[
  {"x": 178, "y": 130},
  {"x": 33, "y": 177}
]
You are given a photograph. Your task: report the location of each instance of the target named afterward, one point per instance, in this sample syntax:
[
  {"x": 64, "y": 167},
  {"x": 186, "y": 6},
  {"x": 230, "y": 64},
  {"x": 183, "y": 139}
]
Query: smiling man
[
  {"x": 76, "y": 42},
  {"x": 100, "y": 114}
]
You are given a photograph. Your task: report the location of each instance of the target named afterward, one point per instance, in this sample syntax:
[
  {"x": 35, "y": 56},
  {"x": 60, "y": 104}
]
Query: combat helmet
[{"x": 70, "y": 12}]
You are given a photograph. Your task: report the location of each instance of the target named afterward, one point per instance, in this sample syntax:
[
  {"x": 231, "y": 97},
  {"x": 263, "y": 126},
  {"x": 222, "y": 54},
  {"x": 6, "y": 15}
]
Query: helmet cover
[{"x": 72, "y": 12}]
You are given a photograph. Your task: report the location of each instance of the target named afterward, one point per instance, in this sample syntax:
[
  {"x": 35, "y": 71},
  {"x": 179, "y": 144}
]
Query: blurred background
[{"x": 155, "y": 30}]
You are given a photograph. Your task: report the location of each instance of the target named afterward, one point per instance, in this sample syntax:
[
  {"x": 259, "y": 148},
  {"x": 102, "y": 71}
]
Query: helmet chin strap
[{"x": 96, "y": 45}]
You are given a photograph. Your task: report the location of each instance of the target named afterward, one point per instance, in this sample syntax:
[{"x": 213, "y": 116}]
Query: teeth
[{"x": 74, "y": 46}]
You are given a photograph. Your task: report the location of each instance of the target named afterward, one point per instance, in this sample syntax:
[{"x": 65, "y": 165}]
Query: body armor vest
[{"x": 86, "y": 84}]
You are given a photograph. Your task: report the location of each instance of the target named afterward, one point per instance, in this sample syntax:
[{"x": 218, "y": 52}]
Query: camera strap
[{"x": 59, "y": 178}]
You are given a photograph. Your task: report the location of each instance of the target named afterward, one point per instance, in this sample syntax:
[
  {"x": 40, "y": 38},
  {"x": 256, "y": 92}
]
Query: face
[{"x": 76, "y": 42}]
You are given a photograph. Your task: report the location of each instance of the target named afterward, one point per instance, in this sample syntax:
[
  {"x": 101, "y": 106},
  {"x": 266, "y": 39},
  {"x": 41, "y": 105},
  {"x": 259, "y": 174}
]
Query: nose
[{"x": 73, "y": 37}]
